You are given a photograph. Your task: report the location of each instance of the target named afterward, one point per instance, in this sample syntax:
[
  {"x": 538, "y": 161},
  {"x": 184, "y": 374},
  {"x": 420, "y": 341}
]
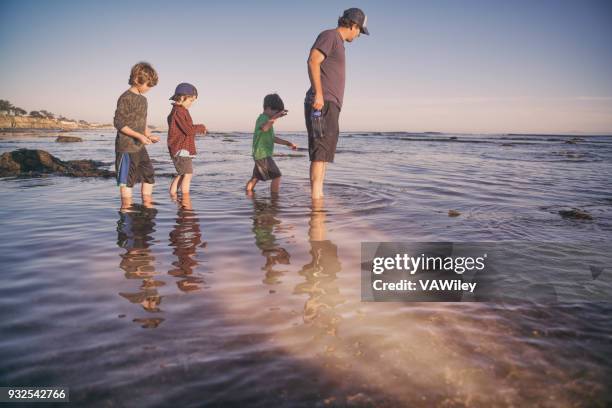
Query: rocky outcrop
[
  {"x": 68, "y": 139},
  {"x": 576, "y": 214},
  {"x": 28, "y": 122},
  {"x": 26, "y": 162}
]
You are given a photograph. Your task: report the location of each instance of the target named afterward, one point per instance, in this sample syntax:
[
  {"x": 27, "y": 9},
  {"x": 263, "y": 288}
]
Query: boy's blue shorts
[{"x": 134, "y": 168}]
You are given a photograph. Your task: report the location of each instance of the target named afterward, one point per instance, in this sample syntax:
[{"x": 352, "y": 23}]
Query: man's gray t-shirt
[
  {"x": 132, "y": 112},
  {"x": 333, "y": 72}
]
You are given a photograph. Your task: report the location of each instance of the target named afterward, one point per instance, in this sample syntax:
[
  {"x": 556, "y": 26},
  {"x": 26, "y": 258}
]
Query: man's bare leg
[
  {"x": 317, "y": 175},
  {"x": 316, "y": 230}
]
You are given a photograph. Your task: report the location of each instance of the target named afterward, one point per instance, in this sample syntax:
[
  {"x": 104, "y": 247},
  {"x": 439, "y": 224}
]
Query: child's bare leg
[
  {"x": 147, "y": 194},
  {"x": 186, "y": 202},
  {"x": 125, "y": 191},
  {"x": 186, "y": 183},
  {"x": 147, "y": 189},
  {"x": 126, "y": 200},
  {"x": 174, "y": 185},
  {"x": 251, "y": 184},
  {"x": 275, "y": 187}
]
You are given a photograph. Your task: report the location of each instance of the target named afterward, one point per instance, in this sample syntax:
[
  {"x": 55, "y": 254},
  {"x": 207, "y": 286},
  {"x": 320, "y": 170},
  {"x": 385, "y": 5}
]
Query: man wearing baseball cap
[{"x": 326, "y": 70}]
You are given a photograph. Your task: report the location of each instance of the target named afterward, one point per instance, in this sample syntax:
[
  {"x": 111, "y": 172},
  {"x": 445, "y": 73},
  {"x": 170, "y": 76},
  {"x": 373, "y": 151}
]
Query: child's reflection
[
  {"x": 265, "y": 224},
  {"x": 320, "y": 275},
  {"x": 134, "y": 233},
  {"x": 185, "y": 238}
]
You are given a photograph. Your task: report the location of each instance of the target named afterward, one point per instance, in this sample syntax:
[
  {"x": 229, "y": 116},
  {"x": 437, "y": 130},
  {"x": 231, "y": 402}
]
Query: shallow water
[{"x": 232, "y": 300}]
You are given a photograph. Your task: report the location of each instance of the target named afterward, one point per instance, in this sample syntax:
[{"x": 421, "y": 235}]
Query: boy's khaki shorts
[{"x": 183, "y": 165}]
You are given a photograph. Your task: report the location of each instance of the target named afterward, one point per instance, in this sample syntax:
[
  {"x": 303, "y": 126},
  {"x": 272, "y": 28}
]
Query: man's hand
[
  {"x": 147, "y": 132},
  {"x": 293, "y": 146},
  {"x": 154, "y": 139},
  {"x": 318, "y": 102}
]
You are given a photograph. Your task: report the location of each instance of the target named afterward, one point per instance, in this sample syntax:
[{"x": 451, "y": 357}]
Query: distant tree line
[{"x": 6, "y": 106}]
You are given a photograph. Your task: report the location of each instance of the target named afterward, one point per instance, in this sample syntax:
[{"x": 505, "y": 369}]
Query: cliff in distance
[{"x": 28, "y": 122}]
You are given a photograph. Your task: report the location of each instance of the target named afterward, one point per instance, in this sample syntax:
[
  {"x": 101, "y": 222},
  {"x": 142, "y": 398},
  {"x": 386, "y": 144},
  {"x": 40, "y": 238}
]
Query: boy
[
  {"x": 132, "y": 161},
  {"x": 181, "y": 137},
  {"x": 263, "y": 144}
]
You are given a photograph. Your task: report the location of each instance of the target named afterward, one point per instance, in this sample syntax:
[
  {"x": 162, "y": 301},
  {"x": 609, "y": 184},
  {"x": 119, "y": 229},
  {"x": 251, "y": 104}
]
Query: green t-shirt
[{"x": 263, "y": 142}]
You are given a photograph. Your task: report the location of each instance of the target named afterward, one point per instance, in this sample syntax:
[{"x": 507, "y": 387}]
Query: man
[{"x": 326, "y": 70}]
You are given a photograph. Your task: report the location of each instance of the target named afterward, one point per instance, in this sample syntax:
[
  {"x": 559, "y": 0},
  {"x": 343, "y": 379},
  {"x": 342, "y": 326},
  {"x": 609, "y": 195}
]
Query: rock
[
  {"x": 453, "y": 213},
  {"x": 26, "y": 162},
  {"x": 68, "y": 139},
  {"x": 576, "y": 214}
]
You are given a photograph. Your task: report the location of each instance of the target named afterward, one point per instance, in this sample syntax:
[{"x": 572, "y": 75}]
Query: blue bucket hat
[{"x": 185, "y": 89}]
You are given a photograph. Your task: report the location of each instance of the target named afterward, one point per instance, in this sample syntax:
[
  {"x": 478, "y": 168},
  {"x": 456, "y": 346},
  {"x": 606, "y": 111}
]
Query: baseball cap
[
  {"x": 358, "y": 16},
  {"x": 185, "y": 89}
]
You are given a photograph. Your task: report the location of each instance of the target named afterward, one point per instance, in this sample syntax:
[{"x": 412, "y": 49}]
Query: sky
[{"x": 450, "y": 66}]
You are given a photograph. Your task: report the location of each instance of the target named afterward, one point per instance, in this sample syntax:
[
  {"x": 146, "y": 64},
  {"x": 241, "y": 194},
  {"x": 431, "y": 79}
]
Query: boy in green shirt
[{"x": 263, "y": 144}]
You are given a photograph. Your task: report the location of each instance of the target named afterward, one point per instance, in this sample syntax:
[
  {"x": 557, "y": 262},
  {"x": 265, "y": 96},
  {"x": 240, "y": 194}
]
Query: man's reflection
[
  {"x": 185, "y": 238},
  {"x": 320, "y": 275},
  {"x": 265, "y": 224},
  {"x": 134, "y": 233}
]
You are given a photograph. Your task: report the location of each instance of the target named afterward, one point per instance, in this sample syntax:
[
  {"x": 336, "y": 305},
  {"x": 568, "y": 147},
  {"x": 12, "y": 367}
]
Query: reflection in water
[
  {"x": 134, "y": 233},
  {"x": 265, "y": 224},
  {"x": 320, "y": 275},
  {"x": 185, "y": 238}
]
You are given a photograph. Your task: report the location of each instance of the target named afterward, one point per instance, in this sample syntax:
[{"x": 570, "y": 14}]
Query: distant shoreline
[
  {"x": 56, "y": 129},
  {"x": 10, "y": 123}
]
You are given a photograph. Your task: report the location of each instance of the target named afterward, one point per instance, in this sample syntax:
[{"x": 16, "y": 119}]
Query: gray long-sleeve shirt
[{"x": 132, "y": 112}]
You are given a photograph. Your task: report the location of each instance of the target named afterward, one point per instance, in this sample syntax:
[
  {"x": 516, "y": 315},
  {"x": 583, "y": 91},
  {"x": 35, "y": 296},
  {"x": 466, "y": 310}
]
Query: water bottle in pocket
[{"x": 316, "y": 120}]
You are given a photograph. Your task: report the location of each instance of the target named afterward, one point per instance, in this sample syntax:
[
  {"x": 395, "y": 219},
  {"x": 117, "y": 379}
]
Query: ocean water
[{"x": 231, "y": 300}]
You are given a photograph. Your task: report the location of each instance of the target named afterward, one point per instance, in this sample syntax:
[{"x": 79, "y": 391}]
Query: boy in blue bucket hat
[{"x": 181, "y": 137}]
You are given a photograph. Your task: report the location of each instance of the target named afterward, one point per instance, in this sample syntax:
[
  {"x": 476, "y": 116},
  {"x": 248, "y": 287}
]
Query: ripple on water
[{"x": 245, "y": 301}]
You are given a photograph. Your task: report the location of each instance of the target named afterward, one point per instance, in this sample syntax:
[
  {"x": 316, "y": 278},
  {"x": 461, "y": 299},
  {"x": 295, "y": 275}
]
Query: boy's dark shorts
[
  {"x": 134, "y": 168},
  {"x": 323, "y": 149},
  {"x": 266, "y": 169},
  {"x": 183, "y": 165}
]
